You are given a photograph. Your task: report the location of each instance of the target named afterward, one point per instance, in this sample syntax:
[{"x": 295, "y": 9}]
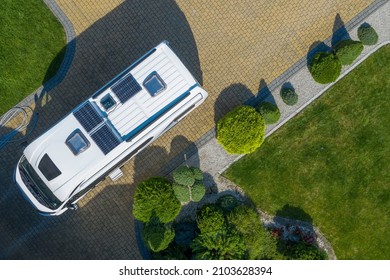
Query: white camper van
[{"x": 102, "y": 133}]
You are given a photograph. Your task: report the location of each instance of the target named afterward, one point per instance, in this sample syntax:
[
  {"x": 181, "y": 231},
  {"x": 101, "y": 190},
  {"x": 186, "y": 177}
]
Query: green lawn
[
  {"x": 31, "y": 49},
  {"x": 332, "y": 163}
]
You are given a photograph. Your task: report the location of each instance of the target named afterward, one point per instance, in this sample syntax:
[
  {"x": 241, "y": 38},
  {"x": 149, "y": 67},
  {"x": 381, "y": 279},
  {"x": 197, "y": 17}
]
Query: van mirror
[{"x": 72, "y": 206}]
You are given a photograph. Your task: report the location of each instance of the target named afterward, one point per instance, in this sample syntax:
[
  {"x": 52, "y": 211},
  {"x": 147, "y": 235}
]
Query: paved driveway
[{"x": 232, "y": 47}]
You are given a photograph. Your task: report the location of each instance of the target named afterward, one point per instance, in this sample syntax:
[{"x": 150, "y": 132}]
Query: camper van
[{"x": 102, "y": 133}]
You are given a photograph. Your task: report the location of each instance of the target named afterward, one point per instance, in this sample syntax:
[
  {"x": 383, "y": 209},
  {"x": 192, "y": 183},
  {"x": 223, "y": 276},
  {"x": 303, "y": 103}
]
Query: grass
[
  {"x": 31, "y": 49},
  {"x": 331, "y": 164}
]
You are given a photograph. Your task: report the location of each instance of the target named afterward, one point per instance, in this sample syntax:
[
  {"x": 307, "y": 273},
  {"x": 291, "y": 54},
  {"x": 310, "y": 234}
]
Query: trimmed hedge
[
  {"x": 182, "y": 192},
  {"x": 210, "y": 219},
  {"x": 198, "y": 190},
  {"x": 269, "y": 111},
  {"x": 157, "y": 236},
  {"x": 241, "y": 131},
  {"x": 367, "y": 35},
  {"x": 325, "y": 67},
  {"x": 155, "y": 196},
  {"x": 348, "y": 50},
  {"x": 289, "y": 96}
]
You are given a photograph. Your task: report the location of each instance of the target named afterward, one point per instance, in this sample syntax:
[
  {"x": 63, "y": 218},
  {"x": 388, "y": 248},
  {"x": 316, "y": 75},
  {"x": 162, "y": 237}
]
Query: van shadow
[
  {"x": 103, "y": 51},
  {"x": 231, "y": 97},
  {"x": 110, "y": 45}
]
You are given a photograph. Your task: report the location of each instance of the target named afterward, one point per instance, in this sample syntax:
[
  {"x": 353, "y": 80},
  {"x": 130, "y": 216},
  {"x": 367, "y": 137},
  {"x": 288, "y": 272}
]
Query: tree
[
  {"x": 210, "y": 219},
  {"x": 289, "y": 96},
  {"x": 269, "y": 111},
  {"x": 241, "y": 131},
  {"x": 157, "y": 235},
  {"x": 348, "y": 50},
  {"x": 155, "y": 196},
  {"x": 325, "y": 67},
  {"x": 258, "y": 241},
  {"x": 367, "y": 35},
  {"x": 220, "y": 245}
]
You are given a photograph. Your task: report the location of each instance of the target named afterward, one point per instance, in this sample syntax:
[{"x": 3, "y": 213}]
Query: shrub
[
  {"x": 182, "y": 192},
  {"x": 173, "y": 252},
  {"x": 183, "y": 175},
  {"x": 348, "y": 50},
  {"x": 222, "y": 245},
  {"x": 210, "y": 219},
  {"x": 157, "y": 236},
  {"x": 325, "y": 67},
  {"x": 155, "y": 195},
  {"x": 301, "y": 251},
  {"x": 270, "y": 112},
  {"x": 258, "y": 241},
  {"x": 367, "y": 35},
  {"x": 289, "y": 96},
  {"x": 227, "y": 202},
  {"x": 241, "y": 131},
  {"x": 198, "y": 190},
  {"x": 198, "y": 174},
  {"x": 188, "y": 184}
]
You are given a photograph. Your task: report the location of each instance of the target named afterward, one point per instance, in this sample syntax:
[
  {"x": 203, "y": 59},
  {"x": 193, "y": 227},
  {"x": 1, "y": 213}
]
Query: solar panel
[
  {"x": 105, "y": 138},
  {"x": 88, "y": 117},
  {"x": 126, "y": 88}
]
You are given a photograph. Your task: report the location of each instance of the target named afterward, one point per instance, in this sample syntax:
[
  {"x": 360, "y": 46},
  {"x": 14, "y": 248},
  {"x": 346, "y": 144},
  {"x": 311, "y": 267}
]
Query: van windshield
[{"x": 37, "y": 187}]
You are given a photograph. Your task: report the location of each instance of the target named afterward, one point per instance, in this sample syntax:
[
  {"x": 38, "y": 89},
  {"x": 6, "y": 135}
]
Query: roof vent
[
  {"x": 77, "y": 142},
  {"x": 154, "y": 84}
]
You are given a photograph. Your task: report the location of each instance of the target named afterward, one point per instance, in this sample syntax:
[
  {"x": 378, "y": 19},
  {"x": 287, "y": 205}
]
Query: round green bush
[
  {"x": 348, "y": 50},
  {"x": 289, "y": 96},
  {"x": 325, "y": 67},
  {"x": 270, "y": 112},
  {"x": 241, "y": 131},
  {"x": 198, "y": 190},
  {"x": 367, "y": 35},
  {"x": 183, "y": 175},
  {"x": 198, "y": 174},
  {"x": 227, "y": 202},
  {"x": 182, "y": 192},
  {"x": 210, "y": 219},
  {"x": 157, "y": 236},
  {"x": 155, "y": 196}
]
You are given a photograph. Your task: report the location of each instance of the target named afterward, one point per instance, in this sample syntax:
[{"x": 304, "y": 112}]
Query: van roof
[{"x": 93, "y": 133}]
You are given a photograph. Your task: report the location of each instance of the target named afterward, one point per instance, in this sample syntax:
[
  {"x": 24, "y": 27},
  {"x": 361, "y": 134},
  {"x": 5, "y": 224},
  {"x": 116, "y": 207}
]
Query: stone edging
[{"x": 68, "y": 57}]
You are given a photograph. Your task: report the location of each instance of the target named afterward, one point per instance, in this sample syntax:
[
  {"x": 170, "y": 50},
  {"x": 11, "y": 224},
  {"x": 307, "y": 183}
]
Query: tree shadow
[
  {"x": 295, "y": 213},
  {"x": 264, "y": 95},
  {"x": 231, "y": 97},
  {"x": 339, "y": 31}
]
